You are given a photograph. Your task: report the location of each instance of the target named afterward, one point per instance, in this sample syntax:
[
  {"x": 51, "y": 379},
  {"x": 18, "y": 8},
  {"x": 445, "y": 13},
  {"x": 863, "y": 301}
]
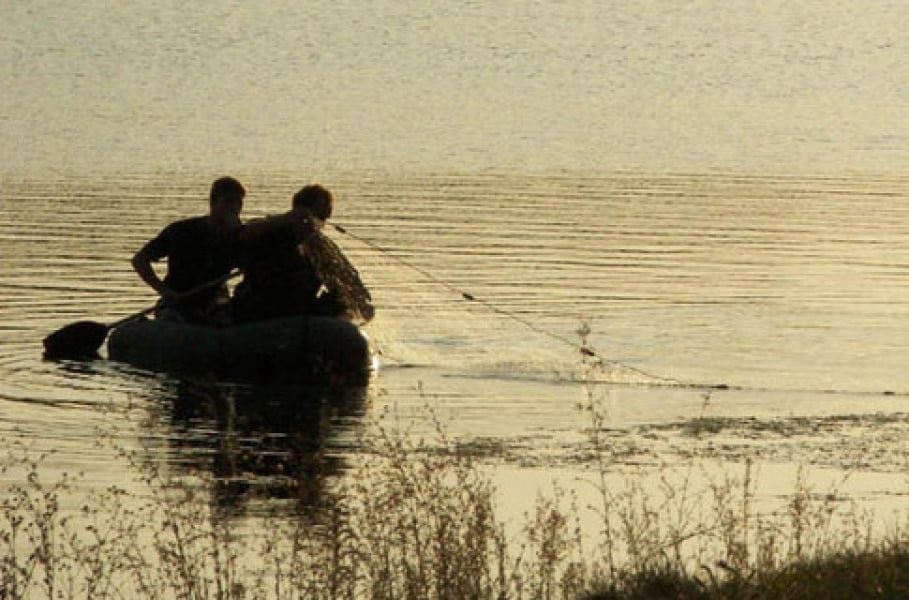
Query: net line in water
[{"x": 590, "y": 366}]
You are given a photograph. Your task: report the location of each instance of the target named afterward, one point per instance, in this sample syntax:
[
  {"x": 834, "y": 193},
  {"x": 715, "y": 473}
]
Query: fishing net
[{"x": 339, "y": 275}]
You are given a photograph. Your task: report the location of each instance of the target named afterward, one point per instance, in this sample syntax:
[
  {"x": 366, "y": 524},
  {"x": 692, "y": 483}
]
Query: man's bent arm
[{"x": 142, "y": 265}]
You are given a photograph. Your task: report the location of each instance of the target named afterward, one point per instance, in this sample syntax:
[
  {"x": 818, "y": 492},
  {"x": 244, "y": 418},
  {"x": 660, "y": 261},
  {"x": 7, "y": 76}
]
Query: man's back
[
  {"x": 277, "y": 280},
  {"x": 196, "y": 254},
  {"x": 199, "y": 251}
]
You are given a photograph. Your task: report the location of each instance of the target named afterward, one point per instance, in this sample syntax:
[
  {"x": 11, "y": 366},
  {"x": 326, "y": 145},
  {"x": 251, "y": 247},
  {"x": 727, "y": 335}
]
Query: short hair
[
  {"x": 226, "y": 186},
  {"x": 316, "y": 198}
]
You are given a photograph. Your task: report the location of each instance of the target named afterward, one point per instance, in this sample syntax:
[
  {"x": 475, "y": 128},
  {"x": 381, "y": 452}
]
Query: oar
[{"x": 83, "y": 338}]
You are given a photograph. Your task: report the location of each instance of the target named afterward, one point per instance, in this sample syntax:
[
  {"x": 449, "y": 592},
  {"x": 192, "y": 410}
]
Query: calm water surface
[
  {"x": 788, "y": 291},
  {"x": 717, "y": 190}
]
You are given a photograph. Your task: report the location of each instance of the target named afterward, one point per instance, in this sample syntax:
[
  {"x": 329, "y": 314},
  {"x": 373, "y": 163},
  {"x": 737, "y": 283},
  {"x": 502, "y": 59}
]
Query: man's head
[
  {"x": 225, "y": 200},
  {"x": 318, "y": 200}
]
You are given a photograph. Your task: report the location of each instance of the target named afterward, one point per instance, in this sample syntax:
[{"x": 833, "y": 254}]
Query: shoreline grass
[{"x": 419, "y": 519}]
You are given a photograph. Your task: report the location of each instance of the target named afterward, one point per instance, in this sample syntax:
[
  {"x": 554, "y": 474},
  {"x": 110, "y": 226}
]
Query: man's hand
[
  {"x": 304, "y": 223},
  {"x": 168, "y": 296}
]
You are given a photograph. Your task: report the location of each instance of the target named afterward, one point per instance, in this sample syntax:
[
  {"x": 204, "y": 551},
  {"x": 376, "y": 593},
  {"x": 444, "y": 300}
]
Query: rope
[{"x": 584, "y": 349}]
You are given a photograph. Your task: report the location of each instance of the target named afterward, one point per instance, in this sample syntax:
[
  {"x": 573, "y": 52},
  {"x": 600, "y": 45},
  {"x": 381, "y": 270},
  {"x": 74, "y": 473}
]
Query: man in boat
[
  {"x": 284, "y": 268},
  {"x": 199, "y": 250}
]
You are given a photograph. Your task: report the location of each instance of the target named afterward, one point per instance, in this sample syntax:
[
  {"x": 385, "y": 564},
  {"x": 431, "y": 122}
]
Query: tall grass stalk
[
  {"x": 413, "y": 520},
  {"x": 664, "y": 533},
  {"x": 419, "y": 518}
]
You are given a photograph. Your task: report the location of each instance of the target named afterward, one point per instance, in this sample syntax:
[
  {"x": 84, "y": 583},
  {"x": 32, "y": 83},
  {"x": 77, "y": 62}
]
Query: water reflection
[{"x": 262, "y": 443}]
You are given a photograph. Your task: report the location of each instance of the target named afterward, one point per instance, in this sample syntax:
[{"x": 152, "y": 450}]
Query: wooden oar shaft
[
  {"x": 134, "y": 316},
  {"x": 187, "y": 294}
]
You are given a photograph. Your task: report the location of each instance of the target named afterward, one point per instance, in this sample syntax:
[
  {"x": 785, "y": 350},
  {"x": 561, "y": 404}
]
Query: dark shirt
[
  {"x": 277, "y": 280},
  {"x": 195, "y": 255}
]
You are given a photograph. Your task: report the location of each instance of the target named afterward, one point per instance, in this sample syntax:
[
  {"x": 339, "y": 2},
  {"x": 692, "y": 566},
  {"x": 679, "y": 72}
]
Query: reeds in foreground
[{"x": 415, "y": 519}]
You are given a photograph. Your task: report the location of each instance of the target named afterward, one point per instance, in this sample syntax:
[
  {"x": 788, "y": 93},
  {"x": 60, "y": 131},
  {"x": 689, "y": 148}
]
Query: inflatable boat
[{"x": 305, "y": 349}]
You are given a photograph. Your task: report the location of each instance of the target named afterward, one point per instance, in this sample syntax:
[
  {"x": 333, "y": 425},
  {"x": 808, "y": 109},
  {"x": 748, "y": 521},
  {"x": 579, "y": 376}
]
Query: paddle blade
[{"x": 77, "y": 340}]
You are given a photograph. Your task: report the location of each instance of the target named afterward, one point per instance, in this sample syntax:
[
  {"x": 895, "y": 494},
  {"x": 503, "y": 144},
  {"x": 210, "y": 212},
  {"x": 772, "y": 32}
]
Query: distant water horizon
[{"x": 512, "y": 87}]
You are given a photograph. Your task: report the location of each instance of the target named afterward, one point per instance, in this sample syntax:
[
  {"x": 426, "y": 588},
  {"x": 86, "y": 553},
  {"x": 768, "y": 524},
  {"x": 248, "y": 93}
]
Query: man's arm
[
  {"x": 298, "y": 218},
  {"x": 142, "y": 263}
]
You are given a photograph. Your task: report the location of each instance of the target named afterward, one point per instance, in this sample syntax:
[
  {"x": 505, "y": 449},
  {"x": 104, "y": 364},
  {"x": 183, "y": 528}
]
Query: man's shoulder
[
  {"x": 193, "y": 221},
  {"x": 193, "y": 230},
  {"x": 191, "y": 225},
  {"x": 177, "y": 234}
]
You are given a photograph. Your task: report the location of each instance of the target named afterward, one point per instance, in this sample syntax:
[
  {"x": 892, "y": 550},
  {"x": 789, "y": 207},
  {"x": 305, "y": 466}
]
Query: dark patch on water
[{"x": 866, "y": 442}]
